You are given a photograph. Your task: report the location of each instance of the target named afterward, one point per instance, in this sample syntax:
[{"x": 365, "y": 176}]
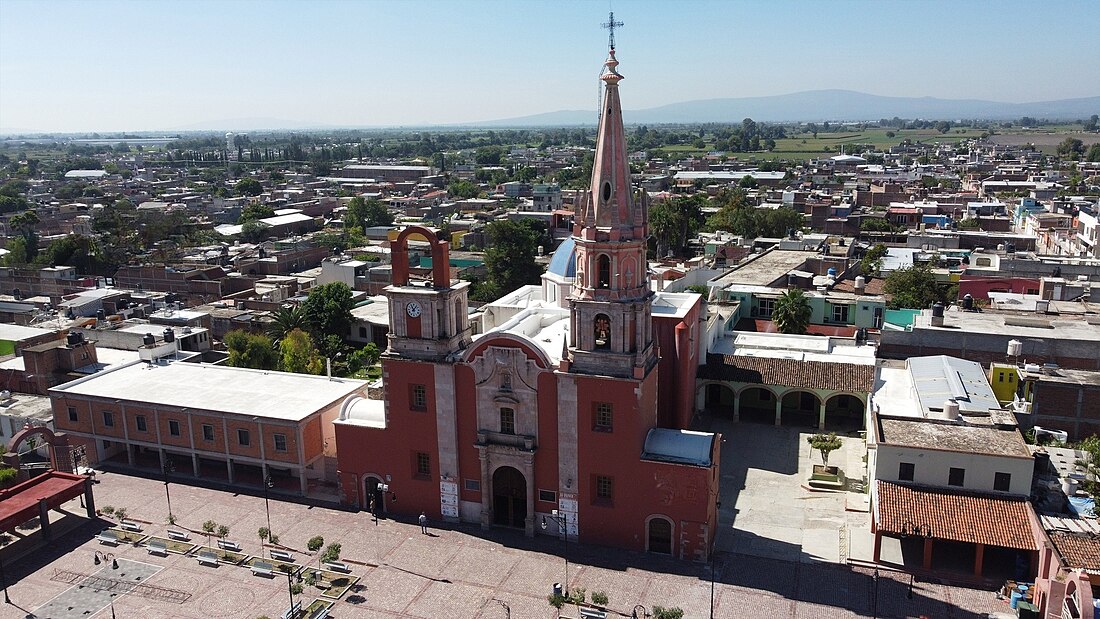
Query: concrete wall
[{"x": 932, "y": 467}]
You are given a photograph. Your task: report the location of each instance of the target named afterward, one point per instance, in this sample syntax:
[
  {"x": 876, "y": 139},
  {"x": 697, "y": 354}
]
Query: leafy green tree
[
  {"x": 1094, "y": 152},
  {"x": 748, "y": 182},
  {"x": 877, "y": 224},
  {"x": 913, "y": 287},
  {"x": 511, "y": 248},
  {"x": 463, "y": 189},
  {"x": 825, "y": 444},
  {"x": 254, "y": 231},
  {"x": 247, "y": 350},
  {"x": 872, "y": 261},
  {"x": 248, "y": 187},
  {"x": 25, "y": 223},
  {"x": 328, "y": 311},
  {"x": 489, "y": 155},
  {"x": 252, "y": 212},
  {"x": 285, "y": 320},
  {"x": 674, "y": 223},
  {"x": 792, "y": 312},
  {"x": 209, "y": 527},
  {"x": 298, "y": 354},
  {"x": 362, "y": 214},
  {"x": 364, "y": 357},
  {"x": 1091, "y": 123},
  {"x": 1071, "y": 148}
]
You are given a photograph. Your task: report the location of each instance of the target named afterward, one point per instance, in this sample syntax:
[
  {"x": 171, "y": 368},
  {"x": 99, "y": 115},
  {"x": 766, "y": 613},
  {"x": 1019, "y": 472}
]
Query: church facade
[{"x": 568, "y": 415}]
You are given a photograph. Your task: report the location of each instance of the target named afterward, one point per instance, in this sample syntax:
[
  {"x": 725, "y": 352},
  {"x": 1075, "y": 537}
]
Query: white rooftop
[
  {"x": 678, "y": 446},
  {"x": 18, "y": 333},
  {"x": 237, "y": 391},
  {"x": 363, "y": 412},
  {"x": 797, "y": 347}
]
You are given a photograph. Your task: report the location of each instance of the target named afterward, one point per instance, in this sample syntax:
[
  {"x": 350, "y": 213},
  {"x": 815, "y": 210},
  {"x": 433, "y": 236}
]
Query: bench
[
  {"x": 592, "y": 613},
  {"x": 337, "y": 566},
  {"x": 262, "y": 568},
  {"x": 293, "y": 611},
  {"x": 126, "y": 525},
  {"x": 282, "y": 555},
  {"x": 320, "y": 613},
  {"x": 207, "y": 557},
  {"x": 179, "y": 536},
  {"x": 108, "y": 537},
  {"x": 228, "y": 545},
  {"x": 157, "y": 547}
]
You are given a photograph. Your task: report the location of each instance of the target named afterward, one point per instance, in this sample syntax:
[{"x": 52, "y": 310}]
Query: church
[{"x": 568, "y": 414}]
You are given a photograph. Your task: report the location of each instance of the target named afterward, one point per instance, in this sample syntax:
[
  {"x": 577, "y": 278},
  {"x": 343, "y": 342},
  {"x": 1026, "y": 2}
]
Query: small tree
[
  {"x": 660, "y": 612},
  {"x": 264, "y": 534},
  {"x": 556, "y": 600},
  {"x": 792, "y": 312},
  {"x": 824, "y": 444},
  {"x": 599, "y": 598},
  {"x": 331, "y": 553},
  {"x": 314, "y": 544},
  {"x": 120, "y": 513},
  {"x": 577, "y": 595},
  {"x": 209, "y": 527}
]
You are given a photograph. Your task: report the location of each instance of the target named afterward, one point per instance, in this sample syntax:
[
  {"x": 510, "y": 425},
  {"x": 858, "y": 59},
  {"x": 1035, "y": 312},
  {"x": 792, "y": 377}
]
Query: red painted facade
[
  {"x": 567, "y": 411},
  {"x": 980, "y": 287}
]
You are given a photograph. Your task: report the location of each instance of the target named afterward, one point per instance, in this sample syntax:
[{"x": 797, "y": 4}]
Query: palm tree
[
  {"x": 792, "y": 312},
  {"x": 284, "y": 321}
]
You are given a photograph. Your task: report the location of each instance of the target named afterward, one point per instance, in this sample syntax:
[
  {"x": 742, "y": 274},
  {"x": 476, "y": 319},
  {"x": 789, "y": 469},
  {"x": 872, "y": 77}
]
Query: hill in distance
[{"x": 818, "y": 106}]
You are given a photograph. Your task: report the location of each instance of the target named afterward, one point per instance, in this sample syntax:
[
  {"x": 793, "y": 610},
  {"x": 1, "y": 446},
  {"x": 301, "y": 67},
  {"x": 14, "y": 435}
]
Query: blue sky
[{"x": 105, "y": 65}]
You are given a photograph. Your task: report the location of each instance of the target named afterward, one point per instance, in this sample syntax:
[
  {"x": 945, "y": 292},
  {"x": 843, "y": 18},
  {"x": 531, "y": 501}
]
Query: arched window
[
  {"x": 603, "y": 269},
  {"x": 603, "y": 332}
]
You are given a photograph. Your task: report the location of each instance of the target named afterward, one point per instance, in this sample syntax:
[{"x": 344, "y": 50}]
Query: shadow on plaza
[{"x": 29, "y": 555}]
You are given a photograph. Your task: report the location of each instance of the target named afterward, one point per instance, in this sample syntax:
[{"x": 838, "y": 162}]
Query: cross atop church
[{"x": 611, "y": 24}]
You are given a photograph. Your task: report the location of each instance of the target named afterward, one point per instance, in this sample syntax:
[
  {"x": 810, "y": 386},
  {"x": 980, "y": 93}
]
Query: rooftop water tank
[
  {"x": 1015, "y": 348},
  {"x": 169, "y": 335},
  {"x": 831, "y": 272},
  {"x": 148, "y": 340}
]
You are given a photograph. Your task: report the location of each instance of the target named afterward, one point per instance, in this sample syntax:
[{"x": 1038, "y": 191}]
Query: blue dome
[{"x": 564, "y": 261}]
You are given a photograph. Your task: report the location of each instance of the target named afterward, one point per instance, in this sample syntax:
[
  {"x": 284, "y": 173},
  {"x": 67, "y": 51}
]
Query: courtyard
[{"x": 774, "y": 560}]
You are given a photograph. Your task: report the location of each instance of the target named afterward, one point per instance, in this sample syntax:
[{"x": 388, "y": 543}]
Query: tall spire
[{"x": 610, "y": 204}]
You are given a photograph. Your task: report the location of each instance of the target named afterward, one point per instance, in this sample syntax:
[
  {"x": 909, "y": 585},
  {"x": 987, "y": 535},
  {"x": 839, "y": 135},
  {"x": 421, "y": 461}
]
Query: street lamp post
[
  {"x": 169, "y": 467},
  {"x": 268, "y": 484},
  {"x": 563, "y": 530},
  {"x": 634, "y": 613},
  {"x": 101, "y": 557},
  {"x": 290, "y": 614}
]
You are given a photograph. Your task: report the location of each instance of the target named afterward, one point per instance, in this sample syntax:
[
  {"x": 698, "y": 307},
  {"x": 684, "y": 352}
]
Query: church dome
[{"x": 564, "y": 261}]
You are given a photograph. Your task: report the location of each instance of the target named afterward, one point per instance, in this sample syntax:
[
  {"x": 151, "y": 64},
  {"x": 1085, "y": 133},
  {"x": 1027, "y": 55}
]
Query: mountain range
[{"x": 820, "y": 106}]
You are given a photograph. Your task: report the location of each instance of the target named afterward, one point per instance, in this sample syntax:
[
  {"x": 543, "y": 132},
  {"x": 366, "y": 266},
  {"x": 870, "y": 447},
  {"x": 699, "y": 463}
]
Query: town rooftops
[
  {"x": 954, "y": 515},
  {"x": 766, "y": 268},
  {"x": 1011, "y": 324},
  {"x": 200, "y": 386},
  {"x": 951, "y": 436},
  {"x": 852, "y": 377},
  {"x": 940, "y": 378},
  {"x": 678, "y": 446},
  {"x": 18, "y": 333},
  {"x": 1076, "y": 539}
]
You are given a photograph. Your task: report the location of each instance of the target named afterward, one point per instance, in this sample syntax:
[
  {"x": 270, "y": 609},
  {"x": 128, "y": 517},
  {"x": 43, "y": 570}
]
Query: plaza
[{"x": 780, "y": 554}]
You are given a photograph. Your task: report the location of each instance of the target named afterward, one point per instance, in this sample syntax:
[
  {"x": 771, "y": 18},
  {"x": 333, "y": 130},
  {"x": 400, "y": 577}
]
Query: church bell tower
[{"x": 611, "y": 330}]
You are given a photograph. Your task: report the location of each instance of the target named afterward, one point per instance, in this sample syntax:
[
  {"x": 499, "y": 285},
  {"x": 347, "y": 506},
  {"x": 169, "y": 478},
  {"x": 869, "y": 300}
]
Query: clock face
[{"x": 413, "y": 309}]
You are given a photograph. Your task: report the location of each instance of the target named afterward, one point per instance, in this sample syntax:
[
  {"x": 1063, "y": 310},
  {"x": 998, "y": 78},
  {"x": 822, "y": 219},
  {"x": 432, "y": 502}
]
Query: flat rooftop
[
  {"x": 766, "y": 268},
  {"x": 18, "y": 333},
  {"x": 997, "y": 323},
  {"x": 952, "y": 436},
  {"x": 797, "y": 347},
  {"x": 1062, "y": 375},
  {"x": 237, "y": 391}
]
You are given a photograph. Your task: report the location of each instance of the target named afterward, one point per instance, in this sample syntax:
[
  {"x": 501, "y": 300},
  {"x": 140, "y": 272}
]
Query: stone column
[
  {"x": 927, "y": 553},
  {"x": 979, "y": 556},
  {"x": 736, "y": 407},
  {"x": 229, "y": 468},
  {"x": 529, "y": 473},
  {"x": 486, "y": 490},
  {"x": 778, "y": 411},
  {"x": 821, "y": 416},
  {"x": 195, "y": 466},
  {"x": 303, "y": 481}
]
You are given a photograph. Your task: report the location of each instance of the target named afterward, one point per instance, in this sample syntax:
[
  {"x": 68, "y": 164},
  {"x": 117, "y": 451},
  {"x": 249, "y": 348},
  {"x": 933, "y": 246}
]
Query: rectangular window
[
  {"x": 604, "y": 488},
  {"x": 280, "y": 442},
  {"x": 142, "y": 424},
  {"x": 507, "y": 421},
  {"x": 207, "y": 432},
  {"x": 956, "y": 476},
  {"x": 423, "y": 464},
  {"x": 1011, "y": 378},
  {"x": 418, "y": 398},
  {"x": 173, "y": 427},
  {"x": 108, "y": 419},
  {"x": 243, "y": 438},
  {"x": 1002, "y": 482},
  {"x": 767, "y": 306},
  {"x": 906, "y": 470},
  {"x": 72, "y": 414},
  {"x": 840, "y": 313},
  {"x": 548, "y": 496},
  {"x": 363, "y": 332},
  {"x": 602, "y": 418},
  {"x": 473, "y": 485}
]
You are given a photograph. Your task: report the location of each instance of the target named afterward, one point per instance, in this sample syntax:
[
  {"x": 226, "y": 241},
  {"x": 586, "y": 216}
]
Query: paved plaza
[{"x": 460, "y": 572}]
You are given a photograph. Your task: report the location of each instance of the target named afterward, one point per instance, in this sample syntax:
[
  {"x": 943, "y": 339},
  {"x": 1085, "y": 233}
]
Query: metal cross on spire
[{"x": 611, "y": 24}]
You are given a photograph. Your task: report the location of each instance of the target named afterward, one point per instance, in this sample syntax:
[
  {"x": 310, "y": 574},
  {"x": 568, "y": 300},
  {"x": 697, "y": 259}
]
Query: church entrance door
[{"x": 509, "y": 498}]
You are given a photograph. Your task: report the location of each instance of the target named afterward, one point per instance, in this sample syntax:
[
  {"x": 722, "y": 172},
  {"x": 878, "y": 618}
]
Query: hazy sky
[{"x": 156, "y": 64}]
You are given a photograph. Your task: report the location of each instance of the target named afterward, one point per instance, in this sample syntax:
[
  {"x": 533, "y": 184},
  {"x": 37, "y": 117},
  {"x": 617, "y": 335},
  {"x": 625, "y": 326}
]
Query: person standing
[{"x": 423, "y": 523}]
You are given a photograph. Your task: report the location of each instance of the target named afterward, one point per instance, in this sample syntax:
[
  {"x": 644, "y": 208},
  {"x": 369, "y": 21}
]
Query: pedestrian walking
[{"x": 423, "y": 523}]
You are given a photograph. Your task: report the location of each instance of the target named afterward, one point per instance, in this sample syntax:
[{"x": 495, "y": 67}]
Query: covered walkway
[{"x": 35, "y": 498}]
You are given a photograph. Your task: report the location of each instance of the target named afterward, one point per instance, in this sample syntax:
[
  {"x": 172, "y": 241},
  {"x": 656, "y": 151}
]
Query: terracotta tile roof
[
  {"x": 790, "y": 373},
  {"x": 963, "y": 516},
  {"x": 1080, "y": 551}
]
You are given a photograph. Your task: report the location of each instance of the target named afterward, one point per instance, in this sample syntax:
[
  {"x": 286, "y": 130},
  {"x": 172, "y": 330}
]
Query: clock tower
[
  {"x": 427, "y": 320},
  {"x": 611, "y": 329}
]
